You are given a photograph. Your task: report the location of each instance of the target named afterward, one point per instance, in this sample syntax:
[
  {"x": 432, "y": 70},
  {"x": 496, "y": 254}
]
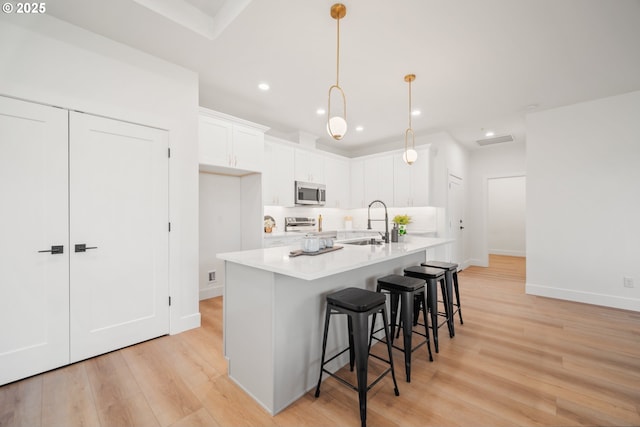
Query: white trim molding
[{"x": 623, "y": 303}]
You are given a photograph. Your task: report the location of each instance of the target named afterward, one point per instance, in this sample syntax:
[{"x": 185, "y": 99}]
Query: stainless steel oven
[{"x": 309, "y": 193}]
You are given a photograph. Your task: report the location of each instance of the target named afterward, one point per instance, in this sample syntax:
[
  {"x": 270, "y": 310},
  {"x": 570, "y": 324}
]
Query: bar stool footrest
[{"x": 400, "y": 348}]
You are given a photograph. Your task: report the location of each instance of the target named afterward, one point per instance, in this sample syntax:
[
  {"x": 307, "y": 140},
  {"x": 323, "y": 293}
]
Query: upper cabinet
[
  {"x": 309, "y": 166},
  {"x": 247, "y": 148},
  {"x": 357, "y": 183},
  {"x": 278, "y": 175},
  {"x": 229, "y": 145},
  {"x": 337, "y": 179},
  {"x": 214, "y": 146},
  {"x": 350, "y": 183},
  {"x": 411, "y": 182},
  {"x": 378, "y": 179}
]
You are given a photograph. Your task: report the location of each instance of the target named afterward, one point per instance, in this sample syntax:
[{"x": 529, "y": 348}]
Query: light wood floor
[{"x": 518, "y": 360}]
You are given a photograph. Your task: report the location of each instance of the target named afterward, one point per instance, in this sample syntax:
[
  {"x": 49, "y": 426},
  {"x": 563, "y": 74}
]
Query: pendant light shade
[
  {"x": 336, "y": 123},
  {"x": 337, "y": 127},
  {"x": 410, "y": 154}
]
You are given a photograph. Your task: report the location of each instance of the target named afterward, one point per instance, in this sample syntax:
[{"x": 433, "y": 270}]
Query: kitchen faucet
[{"x": 386, "y": 219}]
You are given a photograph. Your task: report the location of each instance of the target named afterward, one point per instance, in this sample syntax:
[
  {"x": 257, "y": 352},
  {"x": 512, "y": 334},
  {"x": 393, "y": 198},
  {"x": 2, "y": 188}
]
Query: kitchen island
[{"x": 274, "y": 310}]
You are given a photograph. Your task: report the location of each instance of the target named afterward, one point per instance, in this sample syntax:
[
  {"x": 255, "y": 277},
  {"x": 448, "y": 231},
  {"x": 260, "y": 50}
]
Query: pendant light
[
  {"x": 410, "y": 154},
  {"x": 337, "y": 125}
]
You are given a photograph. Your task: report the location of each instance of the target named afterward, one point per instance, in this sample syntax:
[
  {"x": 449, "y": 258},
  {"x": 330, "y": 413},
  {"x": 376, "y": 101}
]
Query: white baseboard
[
  {"x": 583, "y": 297},
  {"x": 507, "y": 252},
  {"x": 185, "y": 323},
  {"x": 478, "y": 262},
  {"x": 211, "y": 292}
]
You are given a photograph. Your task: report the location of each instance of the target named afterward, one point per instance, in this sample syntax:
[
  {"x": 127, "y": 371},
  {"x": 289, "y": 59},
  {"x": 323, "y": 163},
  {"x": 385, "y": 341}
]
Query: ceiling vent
[{"x": 495, "y": 140}]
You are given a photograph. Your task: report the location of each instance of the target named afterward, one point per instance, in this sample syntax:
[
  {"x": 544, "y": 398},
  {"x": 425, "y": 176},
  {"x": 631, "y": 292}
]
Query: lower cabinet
[{"x": 85, "y": 236}]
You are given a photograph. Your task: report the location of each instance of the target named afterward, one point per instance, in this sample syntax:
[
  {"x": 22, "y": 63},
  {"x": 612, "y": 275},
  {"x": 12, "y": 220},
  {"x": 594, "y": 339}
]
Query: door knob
[
  {"x": 82, "y": 247},
  {"x": 58, "y": 249},
  {"x": 461, "y": 228}
]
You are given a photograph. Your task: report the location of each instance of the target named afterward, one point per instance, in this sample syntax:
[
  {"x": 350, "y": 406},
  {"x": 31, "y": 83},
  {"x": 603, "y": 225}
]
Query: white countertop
[{"x": 306, "y": 267}]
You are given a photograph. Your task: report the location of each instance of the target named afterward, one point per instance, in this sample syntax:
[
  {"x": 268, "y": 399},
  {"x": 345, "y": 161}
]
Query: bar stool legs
[
  {"x": 404, "y": 290},
  {"x": 432, "y": 276},
  {"x": 451, "y": 277},
  {"x": 358, "y": 304},
  {"x": 454, "y": 275}
]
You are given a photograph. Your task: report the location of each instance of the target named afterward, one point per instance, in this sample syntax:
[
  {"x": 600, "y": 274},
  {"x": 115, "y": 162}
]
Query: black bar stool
[
  {"x": 433, "y": 276},
  {"x": 403, "y": 290},
  {"x": 451, "y": 276},
  {"x": 358, "y": 304}
]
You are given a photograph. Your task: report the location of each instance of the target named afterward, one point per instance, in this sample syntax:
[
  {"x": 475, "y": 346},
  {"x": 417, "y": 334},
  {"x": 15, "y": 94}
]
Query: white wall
[
  {"x": 583, "y": 202},
  {"x": 230, "y": 220},
  {"x": 506, "y": 211},
  {"x": 46, "y": 60},
  {"x": 447, "y": 157},
  {"x": 220, "y": 205},
  {"x": 485, "y": 163}
]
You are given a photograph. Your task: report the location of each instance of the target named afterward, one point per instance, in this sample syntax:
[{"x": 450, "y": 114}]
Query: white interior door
[
  {"x": 119, "y": 210},
  {"x": 456, "y": 221},
  {"x": 34, "y": 285}
]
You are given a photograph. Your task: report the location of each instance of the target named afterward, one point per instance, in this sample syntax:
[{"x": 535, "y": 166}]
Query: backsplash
[{"x": 423, "y": 219}]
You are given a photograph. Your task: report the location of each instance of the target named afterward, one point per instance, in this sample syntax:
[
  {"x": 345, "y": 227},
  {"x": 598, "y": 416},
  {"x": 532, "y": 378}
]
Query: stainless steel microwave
[{"x": 309, "y": 193}]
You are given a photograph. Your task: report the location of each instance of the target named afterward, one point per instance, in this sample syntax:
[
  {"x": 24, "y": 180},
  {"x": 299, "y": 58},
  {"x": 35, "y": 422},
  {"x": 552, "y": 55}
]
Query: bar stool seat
[
  {"x": 433, "y": 276},
  {"x": 451, "y": 276},
  {"x": 358, "y": 304},
  {"x": 403, "y": 290}
]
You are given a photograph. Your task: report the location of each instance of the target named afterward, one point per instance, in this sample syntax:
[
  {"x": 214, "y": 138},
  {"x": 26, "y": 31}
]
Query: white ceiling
[{"x": 479, "y": 63}]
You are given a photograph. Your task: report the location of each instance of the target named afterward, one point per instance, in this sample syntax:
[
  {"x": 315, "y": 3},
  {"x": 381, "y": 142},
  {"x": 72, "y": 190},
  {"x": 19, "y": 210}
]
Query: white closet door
[
  {"x": 119, "y": 209},
  {"x": 34, "y": 286}
]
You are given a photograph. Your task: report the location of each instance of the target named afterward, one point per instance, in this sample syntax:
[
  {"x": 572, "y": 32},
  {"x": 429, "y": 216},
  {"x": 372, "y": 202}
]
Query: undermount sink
[{"x": 365, "y": 242}]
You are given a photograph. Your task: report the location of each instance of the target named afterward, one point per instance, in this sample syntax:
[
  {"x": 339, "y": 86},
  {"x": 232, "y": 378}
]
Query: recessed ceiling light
[
  {"x": 489, "y": 133},
  {"x": 359, "y": 128},
  {"x": 263, "y": 86},
  {"x": 320, "y": 111},
  {"x": 416, "y": 112}
]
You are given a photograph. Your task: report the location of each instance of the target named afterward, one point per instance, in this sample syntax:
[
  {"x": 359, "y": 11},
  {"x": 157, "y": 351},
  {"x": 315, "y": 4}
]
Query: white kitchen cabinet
[
  {"x": 378, "y": 179},
  {"x": 411, "y": 182},
  {"x": 278, "y": 175},
  {"x": 247, "y": 148},
  {"x": 85, "y": 236},
  {"x": 337, "y": 177},
  {"x": 214, "y": 141},
  {"x": 309, "y": 166},
  {"x": 357, "y": 183},
  {"x": 229, "y": 145}
]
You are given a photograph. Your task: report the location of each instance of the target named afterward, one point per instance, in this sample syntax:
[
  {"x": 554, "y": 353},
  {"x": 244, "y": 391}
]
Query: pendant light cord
[
  {"x": 410, "y": 104},
  {"x": 338, "y": 55}
]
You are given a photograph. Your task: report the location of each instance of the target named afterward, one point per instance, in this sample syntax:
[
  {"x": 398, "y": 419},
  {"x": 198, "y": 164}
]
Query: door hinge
[
  {"x": 169, "y": 227},
  {"x": 169, "y": 301},
  {"x": 169, "y": 152}
]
